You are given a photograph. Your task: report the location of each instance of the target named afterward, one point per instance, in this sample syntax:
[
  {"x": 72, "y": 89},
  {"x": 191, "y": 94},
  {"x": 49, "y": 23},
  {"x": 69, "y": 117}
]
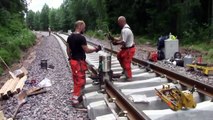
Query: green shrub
[
  {"x": 97, "y": 34},
  {"x": 145, "y": 40},
  {"x": 12, "y": 45},
  {"x": 6, "y": 56},
  {"x": 1, "y": 70},
  {"x": 209, "y": 57},
  {"x": 26, "y": 39},
  {"x": 197, "y": 34}
]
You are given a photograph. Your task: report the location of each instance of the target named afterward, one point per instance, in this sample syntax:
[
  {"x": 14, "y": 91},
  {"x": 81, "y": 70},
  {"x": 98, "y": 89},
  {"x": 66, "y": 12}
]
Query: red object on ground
[
  {"x": 78, "y": 72},
  {"x": 154, "y": 56},
  {"x": 199, "y": 59},
  {"x": 125, "y": 58}
]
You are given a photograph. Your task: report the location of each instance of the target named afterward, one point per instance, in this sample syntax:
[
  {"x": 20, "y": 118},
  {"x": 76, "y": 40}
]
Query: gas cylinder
[
  {"x": 187, "y": 60},
  {"x": 105, "y": 62}
]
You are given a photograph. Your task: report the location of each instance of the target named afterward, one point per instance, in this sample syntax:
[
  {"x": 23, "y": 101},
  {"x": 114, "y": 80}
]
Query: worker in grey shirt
[{"x": 126, "y": 40}]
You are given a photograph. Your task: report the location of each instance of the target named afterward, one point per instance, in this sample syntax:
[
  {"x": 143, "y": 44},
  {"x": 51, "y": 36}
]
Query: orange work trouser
[
  {"x": 78, "y": 73},
  {"x": 125, "y": 58}
]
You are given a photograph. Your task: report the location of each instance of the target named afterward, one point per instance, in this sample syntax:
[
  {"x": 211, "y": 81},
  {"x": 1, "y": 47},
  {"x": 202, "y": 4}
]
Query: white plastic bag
[
  {"x": 138, "y": 98},
  {"x": 45, "y": 83}
]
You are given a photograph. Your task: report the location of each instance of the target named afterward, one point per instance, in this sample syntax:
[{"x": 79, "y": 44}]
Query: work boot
[
  {"x": 123, "y": 72},
  {"x": 74, "y": 100},
  {"x": 76, "y": 103},
  {"x": 80, "y": 98},
  {"x": 94, "y": 77},
  {"x": 116, "y": 75},
  {"x": 79, "y": 105},
  {"x": 129, "y": 79}
]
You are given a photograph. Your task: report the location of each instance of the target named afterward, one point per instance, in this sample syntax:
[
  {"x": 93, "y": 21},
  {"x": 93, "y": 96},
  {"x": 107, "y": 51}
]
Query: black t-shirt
[{"x": 75, "y": 42}]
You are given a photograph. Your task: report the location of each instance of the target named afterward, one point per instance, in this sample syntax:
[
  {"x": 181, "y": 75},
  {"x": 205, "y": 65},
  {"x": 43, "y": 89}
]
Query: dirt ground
[{"x": 26, "y": 59}]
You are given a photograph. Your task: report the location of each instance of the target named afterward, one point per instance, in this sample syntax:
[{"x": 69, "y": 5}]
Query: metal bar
[{"x": 125, "y": 104}]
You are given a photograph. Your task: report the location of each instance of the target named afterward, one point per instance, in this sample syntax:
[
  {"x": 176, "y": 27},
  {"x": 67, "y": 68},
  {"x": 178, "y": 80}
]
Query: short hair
[
  {"x": 78, "y": 23},
  {"x": 122, "y": 18}
]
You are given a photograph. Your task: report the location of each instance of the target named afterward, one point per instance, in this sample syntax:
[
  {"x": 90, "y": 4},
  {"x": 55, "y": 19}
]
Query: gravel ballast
[{"x": 55, "y": 104}]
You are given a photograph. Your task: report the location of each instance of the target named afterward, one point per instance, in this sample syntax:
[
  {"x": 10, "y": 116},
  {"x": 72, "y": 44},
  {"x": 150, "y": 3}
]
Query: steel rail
[
  {"x": 122, "y": 102},
  {"x": 64, "y": 41},
  {"x": 132, "y": 112},
  {"x": 189, "y": 82}
]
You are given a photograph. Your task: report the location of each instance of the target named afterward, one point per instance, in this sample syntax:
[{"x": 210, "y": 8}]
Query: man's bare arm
[
  {"x": 68, "y": 51},
  {"x": 88, "y": 49}
]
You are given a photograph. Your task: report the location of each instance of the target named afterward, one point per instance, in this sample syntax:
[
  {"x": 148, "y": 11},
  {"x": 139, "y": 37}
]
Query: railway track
[{"x": 137, "y": 100}]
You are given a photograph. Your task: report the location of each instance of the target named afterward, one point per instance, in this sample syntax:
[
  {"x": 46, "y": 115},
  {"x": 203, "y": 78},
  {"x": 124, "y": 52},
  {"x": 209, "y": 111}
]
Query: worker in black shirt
[{"x": 76, "y": 49}]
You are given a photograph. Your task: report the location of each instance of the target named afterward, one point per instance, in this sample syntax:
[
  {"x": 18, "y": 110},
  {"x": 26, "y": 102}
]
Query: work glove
[
  {"x": 114, "y": 43},
  {"x": 98, "y": 48}
]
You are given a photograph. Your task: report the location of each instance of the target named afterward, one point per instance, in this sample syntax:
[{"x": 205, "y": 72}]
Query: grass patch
[
  {"x": 11, "y": 46},
  {"x": 209, "y": 56},
  {"x": 97, "y": 34},
  {"x": 145, "y": 40},
  {"x": 1, "y": 69},
  {"x": 205, "y": 48}
]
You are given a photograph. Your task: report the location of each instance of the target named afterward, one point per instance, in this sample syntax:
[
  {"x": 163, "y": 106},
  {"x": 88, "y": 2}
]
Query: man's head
[
  {"x": 80, "y": 26},
  {"x": 121, "y": 21}
]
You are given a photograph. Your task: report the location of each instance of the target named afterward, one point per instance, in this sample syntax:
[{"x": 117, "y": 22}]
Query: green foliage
[
  {"x": 194, "y": 35},
  {"x": 189, "y": 20},
  {"x": 97, "y": 34},
  {"x": 36, "y": 21},
  {"x": 14, "y": 36},
  {"x": 52, "y": 19},
  {"x": 93, "y": 12},
  {"x": 4, "y": 16},
  {"x": 44, "y": 19},
  {"x": 30, "y": 19},
  {"x": 209, "y": 56},
  {"x": 204, "y": 48},
  {"x": 144, "y": 40},
  {"x": 12, "y": 45},
  {"x": 1, "y": 70}
]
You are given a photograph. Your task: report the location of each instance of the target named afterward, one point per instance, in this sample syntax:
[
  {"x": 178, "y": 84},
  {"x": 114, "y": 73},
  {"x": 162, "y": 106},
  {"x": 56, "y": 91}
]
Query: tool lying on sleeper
[{"x": 177, "y": 99}]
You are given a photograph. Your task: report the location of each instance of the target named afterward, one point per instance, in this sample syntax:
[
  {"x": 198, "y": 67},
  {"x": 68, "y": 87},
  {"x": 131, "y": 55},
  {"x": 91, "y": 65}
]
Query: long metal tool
[
  {"x": 21, "y": 101},
  {"x": 11, "y": 73},
  {"x": 24, "y": 94}
]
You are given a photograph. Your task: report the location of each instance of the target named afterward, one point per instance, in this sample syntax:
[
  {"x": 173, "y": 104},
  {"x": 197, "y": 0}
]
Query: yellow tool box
[
  {"x": 207, "y": 70},
  {"x": 177, "y": 99}
]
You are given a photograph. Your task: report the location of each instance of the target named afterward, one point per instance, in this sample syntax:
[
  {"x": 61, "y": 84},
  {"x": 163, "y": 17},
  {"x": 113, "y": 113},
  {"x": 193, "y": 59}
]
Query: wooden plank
[
  {"x": 20, "y": 72},
  {"x": 11, "y": 87},
  {"x": 5, "y": 86},
  {"x": 2, "y": 116},
  {"x": 24, "y": 70},
  {"x": 20, "y": 84}
]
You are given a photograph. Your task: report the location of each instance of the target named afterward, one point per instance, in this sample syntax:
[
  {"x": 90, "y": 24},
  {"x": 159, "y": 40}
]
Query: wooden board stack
[
  {"x": 2, "y": 116},
  {"x": 14, "y": 86}
]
